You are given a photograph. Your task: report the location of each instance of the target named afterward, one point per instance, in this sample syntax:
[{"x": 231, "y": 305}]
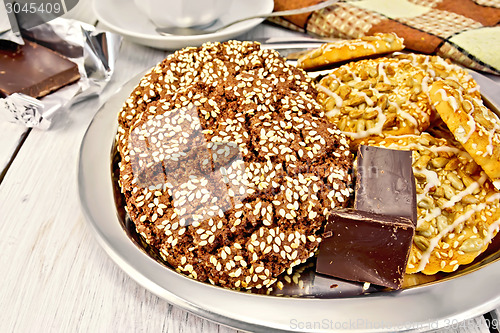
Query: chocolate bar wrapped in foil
[{"x": 93, "y": 51}]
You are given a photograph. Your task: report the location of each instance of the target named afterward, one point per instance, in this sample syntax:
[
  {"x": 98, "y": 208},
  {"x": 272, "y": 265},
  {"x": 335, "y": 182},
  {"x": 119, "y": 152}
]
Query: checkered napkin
[{"x": 467, "y": 31}]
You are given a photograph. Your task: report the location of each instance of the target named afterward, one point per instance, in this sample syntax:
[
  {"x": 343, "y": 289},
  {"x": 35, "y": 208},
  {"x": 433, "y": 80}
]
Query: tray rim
[{"x": 439, "y": 304}]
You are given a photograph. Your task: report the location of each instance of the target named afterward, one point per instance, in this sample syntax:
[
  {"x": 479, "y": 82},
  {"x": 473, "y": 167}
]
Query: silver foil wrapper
[{"x": 92, "y": 50}]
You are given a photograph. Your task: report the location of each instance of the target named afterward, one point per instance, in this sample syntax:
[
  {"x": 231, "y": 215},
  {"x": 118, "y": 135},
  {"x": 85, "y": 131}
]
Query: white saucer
[{"x": 123, "y": 17}]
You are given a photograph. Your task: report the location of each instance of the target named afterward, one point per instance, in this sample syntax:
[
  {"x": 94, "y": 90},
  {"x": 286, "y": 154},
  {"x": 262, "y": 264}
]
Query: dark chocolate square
[
  {"x": 366, "y": 247},
  {"x": 385, "y": 183}
]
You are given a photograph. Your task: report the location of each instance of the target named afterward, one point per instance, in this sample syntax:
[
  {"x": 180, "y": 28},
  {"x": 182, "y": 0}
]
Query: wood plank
[
  {"x": 62, "y": 280},
  {"x": 57, "y": 278},
  {"x": 11, "y": 137}
]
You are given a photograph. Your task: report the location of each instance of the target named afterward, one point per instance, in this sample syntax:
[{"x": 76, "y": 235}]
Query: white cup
[{"x": 183, "y": 13}]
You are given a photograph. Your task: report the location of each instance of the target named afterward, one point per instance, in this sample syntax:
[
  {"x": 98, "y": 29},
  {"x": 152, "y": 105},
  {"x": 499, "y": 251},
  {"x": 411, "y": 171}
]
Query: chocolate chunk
[
  {"x": 385, "y": 183},
  {"x": 366, "y": 247},
  {"x": 33, "y": 70}
]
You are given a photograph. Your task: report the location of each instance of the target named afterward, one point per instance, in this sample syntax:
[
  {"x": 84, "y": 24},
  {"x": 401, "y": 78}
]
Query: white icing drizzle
[
  {"x": 351, "y": 44},
  {"x": 492, "y": 230},
  {"x": 337, "y": 98},
  {"x": 487, "y": 115},
  {"x": 472, "y": 128},
  {"x": 419, "y": 146},
  {"x": 433, "y": 242},
  {"x": 459, "y": 152},
  {"x": 432, "y": 214},
  {"x": 489, "y": 147},
  {"x": 469, "y": 190},
  {"x": 427, "y": 60},
  {"x": 431, "y": 179},
  {"x": 425, "y": 84},
  {"x": 382, "y": 73},
  {"x": 447, "y": 98},
  {"x": 331, "y": 113},
  {"x": 494, "y": 131},
  {"x": 368, "y": 100},
  {"x": 355, "y": 78},
  {"x": 377, "y": 129},
  {"x": 450, "y": 68},
  {"x": 411, "y": 136},
  {"x": 496, "y": 183},
  {"x": 459, "y": 133},
  {"x": 473, "y": 89},
  {"x": 327, "y": 47},
  {"x": 405, "y": 115}
]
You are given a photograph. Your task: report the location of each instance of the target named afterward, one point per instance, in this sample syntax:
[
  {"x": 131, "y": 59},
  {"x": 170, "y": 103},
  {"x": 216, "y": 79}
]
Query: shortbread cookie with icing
[
  {"x": 475, "y": 126},
  {"x": 341, "y": 51},
  {"x": 439, "y": 69},
  {"x": 376, "y": 97},
  {"x": 458, "y": 207}
]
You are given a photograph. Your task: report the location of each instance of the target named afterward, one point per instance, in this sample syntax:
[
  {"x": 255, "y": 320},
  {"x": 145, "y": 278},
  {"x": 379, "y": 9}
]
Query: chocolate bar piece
[
  {"x": 385, "y": 183},
  {"x": 366, "y": 247},
  {"x": 33, "y": 70}
]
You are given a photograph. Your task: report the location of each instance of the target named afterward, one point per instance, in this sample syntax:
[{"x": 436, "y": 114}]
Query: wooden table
[{"x": 54, "y": 275}]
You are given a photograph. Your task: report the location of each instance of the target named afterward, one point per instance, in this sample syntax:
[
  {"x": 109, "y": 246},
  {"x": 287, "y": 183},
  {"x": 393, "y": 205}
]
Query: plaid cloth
[{"x": 467, "y": 31}]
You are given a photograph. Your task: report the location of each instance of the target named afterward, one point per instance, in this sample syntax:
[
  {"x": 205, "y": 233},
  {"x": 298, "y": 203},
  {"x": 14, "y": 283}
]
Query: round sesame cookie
[
  {"x": 458, "y": 208},
  {"x": 441, "y": 69},
  {"x": 345, "y": 50},
  {"x": 376, "y": 97},
  {"x": 476, "y": 127},
  {"x": 228, "y": 165}
]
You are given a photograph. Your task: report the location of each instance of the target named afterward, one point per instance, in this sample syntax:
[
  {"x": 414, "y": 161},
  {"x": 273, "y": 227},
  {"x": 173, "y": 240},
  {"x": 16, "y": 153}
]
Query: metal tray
[{"x": 308, "y": 302}]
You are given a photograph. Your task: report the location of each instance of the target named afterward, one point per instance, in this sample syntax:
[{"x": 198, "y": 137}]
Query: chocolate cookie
[{"x": 228, "y": 165}]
